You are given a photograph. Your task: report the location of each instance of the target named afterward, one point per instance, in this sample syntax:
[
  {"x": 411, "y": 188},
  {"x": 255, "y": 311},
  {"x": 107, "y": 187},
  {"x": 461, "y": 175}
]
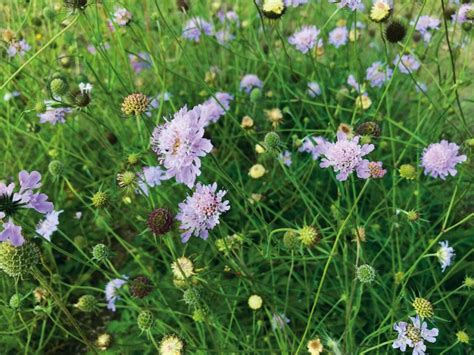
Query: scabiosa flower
[
  {"x": 424, "y": 24},
  {"x": 18, "y": 48},
  {"x": 273, "y": 9},
  {"x": 305, "y": 39},
  {"x": 171, "y": 345},
  {"x": 54, "y": 115},
  {"x": 224, "y": 36},
  {"x": 313, "y": 89},
  {"x": 351, "y": 4},
  {"x": 122, "y": 17},
  {"x": 180, "y": 144},
  {"x": 111, "y": 291},
  {"x": 345, "y": 156},
  {"x": 26, "y": 197},
  {"x": 278, "y": 321},
  {"x": 250, "y": 81},
  {"x": 352, "y": 82},
  {"x": 407, "y": 63},
  {"x": 295, "y": 3},
  {"x": 380, "y": 11},
  {"x": 200, "y": 212},
  {"x": 377, "y": 75},
  {"x": 414, "y": 335},
  {"x": 462, "y": 15},
  {"x": 440, "y": 159},
  {"x": 140, "y": 61},
  {"x": 312, "y": 145},
  {"x": 150, "y": 176},
  {"x": 285, "y": 158},
  {"x": 376, "y": 170},
  {"x": 228, "y": 17},
  {"x": 215, "y": 107},
  {"x": 445, "y": 255},
  {"x": 338, "y": 36},
  {"x": 195, "y": 27},
  {"x": 49, "y": 225}
]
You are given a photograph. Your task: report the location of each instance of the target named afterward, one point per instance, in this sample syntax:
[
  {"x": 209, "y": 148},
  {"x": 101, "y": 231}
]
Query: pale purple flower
[
  {"x": 313, "y": 89},
  {"x": 279, "y": 321},
  {"x": 440, "y": 159},
  {"x": 195, "y": 27},
  {"x": 12, "y": 233},
  {"x": 409, "y": 333},
  {"x": 250, "y": 81},
  {"x": 421, "y": 87},
  {"x": 461, "y": 16},
  {"x": 408, "y": 63},
  {"x": 351, "y": 4},
  {"x": 122, "y": 17},
  {"x": 352, "y": 82},
  {"x": 49, "y": 225},
  {"x": 140, "y": 62},
  {"x": 445, "y": 255},
  {"x": 312, "y": 145},
  {"x": 18, "y": 48},
  {"x": 425, "y": 24},
  {"x": 285, "y": 158},
  {"x": 345, "y": 156},
  {"x": 54, "y": 115},
  {"x": 215, "y": 107},
  {"x": 377, "y": 75},
  {"x": 305, "y": 39},
  {"x": 224, "y": 36},
  {"x": 151, "y": 176},
  {"x": 228, "y": 17},
  {"x": 295, "y": 3},
  {"x": 339, "y": 36},
  {"x": 180, "y": 144},
  {"x": 200, "y": 212},
  {"x": 111, "y": 291}
]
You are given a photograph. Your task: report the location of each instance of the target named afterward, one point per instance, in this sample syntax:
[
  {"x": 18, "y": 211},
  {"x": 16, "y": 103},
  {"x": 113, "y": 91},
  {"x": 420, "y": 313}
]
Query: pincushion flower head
[
  {"x": 12, "y": 202},
  {"x": 414, "y": 335},
  {"x": 122, "y": 17},
  {"x": 339, "y": 36},
  {"x": 54, "y": 115},
  {"x": 440, "y": 159},
  {"x": 377, "y": 74},
  {"x": 111, "y": 291},
  {"x": 345, "y": 156},
  {"x": 195, "y": 27},
  {"x": 273, "y": 9},
  {"x": 445, "y": 255},
  {"x": 18, "y": 48},
  {"x": 200, "y": 212},
  {"x": 313, "y": 89},
  {"x": 215, "y": 107},
  {"x": 305, "y": 39},
  {"x": 180, "y": 144},
  {"x": 312, "y": 145},
  {"x": 49, "y": 225},
  {"x": 465, "y": 14},
  {"x": 249, "y": 82},
  {"x": 407, "y": 63},
  {"x": 425, "y": 24},
  {"x": 380, "y": 11}
]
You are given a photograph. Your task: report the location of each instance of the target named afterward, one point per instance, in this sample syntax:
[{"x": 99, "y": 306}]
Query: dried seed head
[
  {"x": 135, "y": 104},
  {"x": 141, "y": 287},
  {"x": 160, "y": 221},
  {"x": 395, "y": 32}
]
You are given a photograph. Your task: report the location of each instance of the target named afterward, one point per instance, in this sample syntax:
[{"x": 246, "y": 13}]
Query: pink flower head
[
  {"x": 200, "y": 212},
  {"x": 180, "y": 144},
  {"x": 440, "y": 159},
  {"x": 345, "y": 156},
  {"x": 305, "y": 39}
]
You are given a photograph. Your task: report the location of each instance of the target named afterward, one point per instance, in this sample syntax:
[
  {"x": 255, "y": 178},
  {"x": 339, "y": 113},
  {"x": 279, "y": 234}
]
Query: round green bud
[
  {"x": 100, "y": 252},
  {"x": 36, "y": 21},
  {"x": 191, "y": 297},
  {"x": 145, "y": 320},
  {"x": 100, "y": 199},
  {"x": 58, "y": 86},
  {"x": 413, "y": 216},
  {"x": 199, "y": 315},
  {"x": 133, "y": 158},
  {"x": 407, "y": 171},
  {"x": 255, "y": 94},
  {"x": 15, "y": 301},
  {"x": 86, "y": 303},
  {"x": 290, "y": 240},
  {"x": 309, "y": 236},
  {"x": 49, "y": 13},
  {"x": 18, "y": 262},
  {"x": 40, "y": 107},
  {"x": 80, "y": 241},
  {"x": 56, "y": 168},
  {"x": 470, "y": 142},
  {"x": 467, "y": 26},
  {"x": 272, "y": 140},
  {"x": 365, "y": 273}
]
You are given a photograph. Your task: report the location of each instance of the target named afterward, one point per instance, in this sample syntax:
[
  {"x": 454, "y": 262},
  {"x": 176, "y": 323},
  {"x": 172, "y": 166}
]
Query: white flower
[
  {"x": 85, "y": 88},
  {"x": 445, "y": 255},
  {"x": 49, "y": 225}
]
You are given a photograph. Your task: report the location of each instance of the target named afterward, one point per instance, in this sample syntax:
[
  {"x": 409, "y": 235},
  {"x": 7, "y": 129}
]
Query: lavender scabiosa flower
[
  {"x": 111, "y": 291},
  {"x": 200, "y": 212},
  {"x": 313, "y": 89},
  {"x": 250, "y": 81},
  {"x": 215, "y": 107},
  {"x": 351, "y": 4},
  {"x": 229, "y": 17},
  {"x": 18, "y": 48},
  {"x": 295, "y": 3},
  {"x": 54, "y": 115},
  {"x": 285, "y": 158},
  {"x": 279, "y": 321},
  {"x": 407, "y": 63},
  {"x": 345, "y": 156},
  {"x": 12, "y": 233},
  {"x": 195, "y": 27},
  {"x": 224, "y": 36},
  {"x": 305, "y": 39},
  {"x": 425, "y": 24},
  {"x": 339, "y": 36},
  {"x": 180, "y": 144},
  {"x": 312, "y": 145},
  {"x": 151, "y": 176},
  {"x": 352, "y": 82},
  {"x": 49, "y": 225},
  {"x": 140, "y": 61},
  {"x": 440, "y": 159},
  {"x": 462, "y": 15},
  {"x": 414, "y": 335},
  {"x": 377, "y": 75},
  {"x": 445, "y": 255},
  {"x": 122, "y": 17}
]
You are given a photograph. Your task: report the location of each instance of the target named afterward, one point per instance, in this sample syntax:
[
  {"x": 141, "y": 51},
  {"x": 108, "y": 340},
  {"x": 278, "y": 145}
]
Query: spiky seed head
[
  {"x": 56, "y": 168},
  {"x": 423, "y": 307},
  {"x": 79, "y": 98},
  {"x": 315, "y": 347},
  {"x": 15, "y": 301},
  {"x": 135, "y": 104},
  {"x": 58, "y": 86},
  {"x": 103, "y": 341},
  {"x": 127, "y": 180},
  {"x": 18, "y": 262},
  {"x": 462, "y": 337},
  {"x": 191, "y": 296},
  {"x": 395, "y": 32},
  {"x": 100, "y": 252},
  {"x": 100, "y": 199},
  {"x": 413, "y": 216},
  {"x": 309, "y": 236},
  {"x": 407, "y": 171},
  {"x": 86, "y": 303},
  {"x": 255, "y": 302},
  {"x": 145, "y": 320},
  {"x": 141, "y": 287},
  {"x": 199, "y": 315},
  {"x": 398, "y": 277},
  {"x": 272, "y": 140},
  {"x": 365, "y": 273},
  {"x": 468, "y": 282},
  {"x": 40, "y": 106},
  {"x": 359, "y": 234},
  {"x": 160, "y": 221},
  {"x": 171, "y": 345},
  {"x": 290, "y": 240},
  {"x": 133, "y": 158}
]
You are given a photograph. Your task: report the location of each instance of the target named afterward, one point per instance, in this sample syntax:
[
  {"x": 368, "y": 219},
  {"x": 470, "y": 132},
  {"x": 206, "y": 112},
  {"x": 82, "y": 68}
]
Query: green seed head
[
  {"x": 145, "y": 320},
  {"x": 100, "y": 199},
  {"x": 290, "y": 240},
  {"x": 272, "y": 140},
  {"x": 199, "y": 315},
  {"x": 56, "y": 168},
  {"x": 86, "y": 303},
  {"x": 309, "y": 236},
  {"x": 15, "y": 301},
  {"x": 100, "y": 252},
  {"x": 365, "y": 273},
  {"x": 255, "y": 94},
  {"x": 413, "y": 216},
  {"x": 462, "y": 337},
  {"x": 191, "y": 297},
  {"x": 423, "y": 307},
  {"x": 58, "y": 86},
  {"x": 407, "y": 171},
  {"x": 18, "y": 262}
]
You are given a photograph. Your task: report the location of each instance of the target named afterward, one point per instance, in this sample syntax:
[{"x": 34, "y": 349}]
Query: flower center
[
  {"x": 413, "y": 333},
  {"x": 8, "y": 206}
]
